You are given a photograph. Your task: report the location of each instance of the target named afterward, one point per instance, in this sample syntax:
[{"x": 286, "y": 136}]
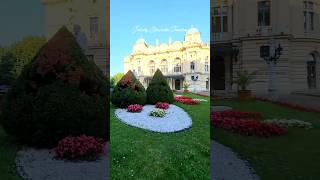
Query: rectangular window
[
  {"x": 264, "y": 13},
  {"x": 220, "y": 19},
  {"x": 308, "y": 14},
  {"x": 94, "y": 28},
  {"x": 225, "y": 23}
]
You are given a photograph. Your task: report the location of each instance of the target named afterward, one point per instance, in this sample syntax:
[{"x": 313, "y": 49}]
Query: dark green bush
[
  {"x": 128, "y": 91},
  {"x": 59, "y": 93},
  {"x": 159, "y": 90}
]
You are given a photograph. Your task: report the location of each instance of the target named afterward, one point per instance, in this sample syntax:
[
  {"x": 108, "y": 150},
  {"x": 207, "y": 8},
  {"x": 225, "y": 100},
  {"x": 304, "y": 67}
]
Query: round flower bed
[
  {"x": 134, "y": 108},
  {"x": 176, "y": 119},
  {"x": 162, "y": 105},
  {"x": 79, "y": 148}
]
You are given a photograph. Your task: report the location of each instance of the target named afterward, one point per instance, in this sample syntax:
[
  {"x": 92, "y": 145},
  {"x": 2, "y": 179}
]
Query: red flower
[
  {"x": 135, "y": 108},
  {"x": 162, "y": 105},
  {"x": 80, "y": 147},
  {"x": 246, "y": 123},
  {"x": 185, "y": 100},
  {"x": 289, "y": 105}
]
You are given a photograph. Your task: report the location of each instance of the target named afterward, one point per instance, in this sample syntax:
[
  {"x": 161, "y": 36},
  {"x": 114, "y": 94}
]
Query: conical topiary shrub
[
  {"x": 128, "y": 91},
  {"x": 159, "y": 90},
  {"x": 59, "y": 93}
]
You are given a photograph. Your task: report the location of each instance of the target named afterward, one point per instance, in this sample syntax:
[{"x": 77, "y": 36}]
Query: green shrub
[
  {"x": 59, "y": 93},
  {"x": 159, "y": 90},
  {"x": 128, "y": 91}
]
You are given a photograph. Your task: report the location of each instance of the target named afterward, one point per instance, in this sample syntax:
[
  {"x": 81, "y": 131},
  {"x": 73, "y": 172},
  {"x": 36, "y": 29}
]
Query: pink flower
[
  {"x": 162, "y": 105},
  {"x": 135, "y": 108}
]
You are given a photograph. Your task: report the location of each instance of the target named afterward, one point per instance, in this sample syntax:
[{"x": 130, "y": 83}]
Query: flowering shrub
[
  {"x": 135, "y": 108},
  {"x": 158, "y": 113},
  {"x": 289, "y": 105},
  {"x": 185, "y": 100},
  {"x": 290, "y": 123},
  {"x": 245, "y": 123},
  {"x": 79, "y": 148},
  {"x": 162, "y": 105}
]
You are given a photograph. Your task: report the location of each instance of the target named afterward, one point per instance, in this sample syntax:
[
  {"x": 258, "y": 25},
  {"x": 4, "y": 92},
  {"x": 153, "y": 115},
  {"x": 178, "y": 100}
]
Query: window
[
  {"x": 264, "y": 13},
  {"x": 308, "y": 13},
  {"x": 177, "y": 67},
  {"x": 220, "y": 19},
  {"x": 94, "y": 28},
  {"x": 164, "y": 66},
  {"x": 90, "y": 57},
  {"x": 192, "y": 66},
  {"x": 151, "y": 67},
  {"x": 206, "y": 66},
  {"x": 139, "y": 70}
]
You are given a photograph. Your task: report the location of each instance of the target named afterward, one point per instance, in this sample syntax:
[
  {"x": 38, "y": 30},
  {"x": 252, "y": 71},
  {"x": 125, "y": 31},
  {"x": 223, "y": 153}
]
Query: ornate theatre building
[
  {"x": 185, "y": 62},
  {"x": 239, "y": 30}
]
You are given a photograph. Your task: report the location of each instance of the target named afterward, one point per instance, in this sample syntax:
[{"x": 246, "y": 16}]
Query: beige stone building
[
  {"x": 92, "y": 16},
  {"x": 181, "y": 62},
  {"x": 240, "y": 27}
]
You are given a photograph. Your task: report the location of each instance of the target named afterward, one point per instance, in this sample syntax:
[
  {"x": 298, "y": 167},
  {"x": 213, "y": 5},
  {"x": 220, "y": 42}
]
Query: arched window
[
  {"x": 164, "y": 66},
  {"x": 151, "y": 67},
  {"x": 177, "y": 66}
]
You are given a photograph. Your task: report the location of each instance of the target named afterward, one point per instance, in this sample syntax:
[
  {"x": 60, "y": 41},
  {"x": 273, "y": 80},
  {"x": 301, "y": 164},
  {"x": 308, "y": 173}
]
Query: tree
[
  {"x": 159, "y": 90},
  {"x": 25, "y": 51},
  {"x": 6, "y": 69},
  {"x": 115, "y": 79},
  {"x": 59, "y": 93},
  {"x": 128, "y": 91}
]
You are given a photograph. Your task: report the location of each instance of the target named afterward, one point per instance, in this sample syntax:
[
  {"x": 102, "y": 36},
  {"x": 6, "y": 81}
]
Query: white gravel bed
[
  {"x": 35, "y": 164},
  {"x": 175, "y": 120},
  {"x": 227, "y": 165}
]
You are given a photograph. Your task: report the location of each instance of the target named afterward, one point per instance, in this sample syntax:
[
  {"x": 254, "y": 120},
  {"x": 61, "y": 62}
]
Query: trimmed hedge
[
  {"x": 58, "y": 94},
  {"x": 159, "y": 90},
  {"x": 128, "y": 91}
]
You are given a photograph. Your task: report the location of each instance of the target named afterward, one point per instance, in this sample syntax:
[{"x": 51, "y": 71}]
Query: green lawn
[
  {"x": 295, "y": 155},
  {"x": 139, "y": 154},
  {"x": 7, "y": 156}
]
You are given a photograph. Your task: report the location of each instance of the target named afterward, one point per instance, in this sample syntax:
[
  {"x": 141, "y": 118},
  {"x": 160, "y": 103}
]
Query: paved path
[
  {"x": 226, "y": 165},
  {"x": 40, "y": 165}
]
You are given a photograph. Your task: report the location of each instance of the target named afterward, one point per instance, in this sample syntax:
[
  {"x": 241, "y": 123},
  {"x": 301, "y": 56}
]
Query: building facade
[
  {"x": 240, "y": 27},
  {"x": 88, "y": 20},
  {"x": 185, "y": 62}
]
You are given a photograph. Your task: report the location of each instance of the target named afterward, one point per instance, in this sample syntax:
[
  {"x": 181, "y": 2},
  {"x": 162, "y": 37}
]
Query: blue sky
[
  {"x": 20, "y": 18},
  {"x": 126, "y": 15}
]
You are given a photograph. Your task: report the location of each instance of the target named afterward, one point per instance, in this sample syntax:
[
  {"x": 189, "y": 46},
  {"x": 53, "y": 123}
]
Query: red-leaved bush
[
  {"x": 245, "y": 123},
  {"x": 185, "y": 100},
  {"x": 162, "y": 105},
  {"x": 135, "y": 108},
  {"x": 79, "y": 148}
]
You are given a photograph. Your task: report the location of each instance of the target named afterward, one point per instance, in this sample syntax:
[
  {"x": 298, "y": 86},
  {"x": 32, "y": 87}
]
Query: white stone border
[{"x": 175, "y": 120}]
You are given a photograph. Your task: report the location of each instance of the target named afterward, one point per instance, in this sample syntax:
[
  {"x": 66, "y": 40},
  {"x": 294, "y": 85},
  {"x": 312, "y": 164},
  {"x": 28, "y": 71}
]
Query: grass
[
  {"x": 8, "y": 151},
  {"x": 293, "y": 156},
  {"x": 140, "y": 154}
]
